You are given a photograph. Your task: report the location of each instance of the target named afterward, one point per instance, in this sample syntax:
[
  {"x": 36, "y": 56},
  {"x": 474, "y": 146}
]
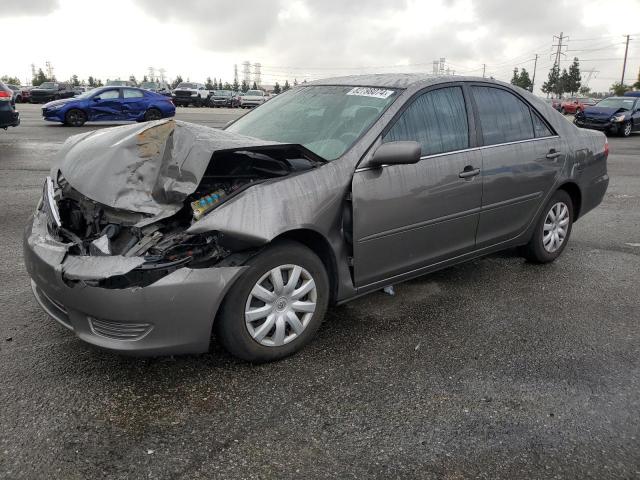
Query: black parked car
[
  {"x": 8, "y": 115},
  {"x": 224, "y": 98},
  {"x": 49, "y": 91}
]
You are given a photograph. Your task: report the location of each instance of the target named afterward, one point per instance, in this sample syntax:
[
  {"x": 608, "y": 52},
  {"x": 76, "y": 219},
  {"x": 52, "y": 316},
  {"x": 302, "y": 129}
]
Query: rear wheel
[
  {"x": 152, "y": 114},
  {"x": 577, "y": 111},
  {"x": 276, "y": 306},
  {"x": 552, "y": 231},
  {"x": 562, "y": 110},
  {"x": 75, "y": 118}
]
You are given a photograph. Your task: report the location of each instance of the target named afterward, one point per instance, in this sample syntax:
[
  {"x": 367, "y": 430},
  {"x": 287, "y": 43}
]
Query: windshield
[
  {"x": 87, "y": 94},
  {"x": 187, "y": 85},
  {"x": 255, "y": 93},
  {"x": 325, "y": 119},
  {"x": 222, "y": 93},
  {"x": 616, "y": 102},
  {"x": 48, "y": 85}
]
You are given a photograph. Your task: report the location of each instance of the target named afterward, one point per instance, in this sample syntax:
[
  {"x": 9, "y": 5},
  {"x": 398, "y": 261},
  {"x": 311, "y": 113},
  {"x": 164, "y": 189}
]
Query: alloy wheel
[
  {"x": 627, "y": 129},
  {"x": 281, "y": 305},
  {"x": 556, "y": 226}
]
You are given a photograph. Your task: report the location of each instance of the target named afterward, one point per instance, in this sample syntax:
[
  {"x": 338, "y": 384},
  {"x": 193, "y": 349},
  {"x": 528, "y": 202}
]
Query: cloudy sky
[{"x": 308, "y": 39}]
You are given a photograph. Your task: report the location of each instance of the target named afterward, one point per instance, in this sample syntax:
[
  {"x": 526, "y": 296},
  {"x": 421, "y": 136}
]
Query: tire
[
  {"x": 197, "y": 102},
  {"x": 237, "y": 335},
  {"x": 626, "y": 129},
  {"x": 577, "y": 111},
  {"x": 563, "y": 111},
  {"x": 152, "y": 114},
  {"x": 19, "y": 99},
  {"x": 75, "y": 118},
  {"x": 544, "y": 250}
]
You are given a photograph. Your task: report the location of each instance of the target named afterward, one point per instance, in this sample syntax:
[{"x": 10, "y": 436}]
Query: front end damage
[{"x": 108, "y": 250}]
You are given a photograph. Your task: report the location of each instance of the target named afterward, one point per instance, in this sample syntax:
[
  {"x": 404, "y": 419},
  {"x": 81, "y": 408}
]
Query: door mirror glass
[{"x": 396, "y": 153}]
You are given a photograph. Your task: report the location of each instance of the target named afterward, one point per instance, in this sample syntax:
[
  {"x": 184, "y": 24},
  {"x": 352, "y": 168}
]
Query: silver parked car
[{"x": 149, "y": 238}]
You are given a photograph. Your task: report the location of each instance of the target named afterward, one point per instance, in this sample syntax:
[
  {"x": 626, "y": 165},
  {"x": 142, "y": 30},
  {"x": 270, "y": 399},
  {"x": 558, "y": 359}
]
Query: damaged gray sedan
[{"x": 151, "y": 238}]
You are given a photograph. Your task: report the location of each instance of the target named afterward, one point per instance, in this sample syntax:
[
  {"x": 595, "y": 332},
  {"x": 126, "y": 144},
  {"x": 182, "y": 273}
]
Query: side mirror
[{"x": 396, "y": 153}]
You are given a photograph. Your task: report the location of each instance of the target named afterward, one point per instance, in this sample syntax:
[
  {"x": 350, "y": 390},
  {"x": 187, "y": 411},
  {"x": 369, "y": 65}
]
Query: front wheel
[
  {"x": 75, "y": 118},
  {"x": 552, "y": 231},
  {"x": 276, "y": 306},
  {"x": 152, "y": 114},
  {"x": 625, "y": 131}
]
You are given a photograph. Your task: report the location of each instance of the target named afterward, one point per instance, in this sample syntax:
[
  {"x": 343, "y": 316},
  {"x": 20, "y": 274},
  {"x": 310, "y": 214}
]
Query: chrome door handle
[{"x": 469, "y": 172}]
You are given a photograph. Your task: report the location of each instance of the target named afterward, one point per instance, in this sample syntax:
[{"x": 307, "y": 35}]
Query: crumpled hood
[
  {"x": 601, "y": 112},
  {"x": 149, "y": 168},
  {"x": 58, "y": 102}
]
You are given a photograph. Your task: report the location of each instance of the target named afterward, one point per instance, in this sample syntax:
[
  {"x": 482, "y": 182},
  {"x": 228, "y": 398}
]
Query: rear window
[
  {"x": 257, "y": 93},
  {"x": 503, "y": 116},
  {"x": 188, "y": 85}
]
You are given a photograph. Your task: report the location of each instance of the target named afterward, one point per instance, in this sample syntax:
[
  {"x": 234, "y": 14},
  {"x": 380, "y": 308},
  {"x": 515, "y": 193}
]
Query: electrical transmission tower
[
  {"x": 152, "y": 74},
  {"x": 559, "y": 46},
  {"x": 246, "y": 71},
  {"x": 49, "y": 69},
  {"x": 257, "y": 74},
  {"x": 235, "y": 74}
]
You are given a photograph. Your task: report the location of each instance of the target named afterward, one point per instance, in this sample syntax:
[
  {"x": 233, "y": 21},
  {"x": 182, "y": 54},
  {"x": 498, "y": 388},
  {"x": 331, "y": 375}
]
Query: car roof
[{"x": 399, "y": 80}]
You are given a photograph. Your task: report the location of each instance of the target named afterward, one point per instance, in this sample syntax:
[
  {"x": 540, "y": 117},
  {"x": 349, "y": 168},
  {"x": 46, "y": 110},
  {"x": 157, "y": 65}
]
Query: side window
[
  {"x": 503, "y": 116},
  {"x": 437, "y": 120},
  {"x": 129, "y": 93},
  {"x": 539, "y": 127},
  {"x": 108, "y": 95}
]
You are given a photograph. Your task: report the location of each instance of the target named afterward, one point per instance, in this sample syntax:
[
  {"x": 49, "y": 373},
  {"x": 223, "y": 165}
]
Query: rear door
[
  {"x": 107, "y": 105},
  {"x": 134, "y": 103},
  {"x": 410, "y": 216},
  {"x": 522, "y": 158}
]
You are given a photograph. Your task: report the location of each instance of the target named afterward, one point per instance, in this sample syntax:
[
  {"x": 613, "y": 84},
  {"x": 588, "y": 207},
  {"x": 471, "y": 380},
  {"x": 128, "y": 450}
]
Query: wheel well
[
  {"x": 321, "y": 247},
  {"x": 576, "y": 197}
]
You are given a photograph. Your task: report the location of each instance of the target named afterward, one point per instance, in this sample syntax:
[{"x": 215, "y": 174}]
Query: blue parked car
[
  {"x": 613, "y": 115},
  {"x": 109, "y": 104}
]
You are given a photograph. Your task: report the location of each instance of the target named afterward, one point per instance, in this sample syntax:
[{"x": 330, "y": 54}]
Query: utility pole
[
  {"x": 624, "y": 64},
  {"x": 484, "y": 68},
  {"x": 533, "y": 79}
]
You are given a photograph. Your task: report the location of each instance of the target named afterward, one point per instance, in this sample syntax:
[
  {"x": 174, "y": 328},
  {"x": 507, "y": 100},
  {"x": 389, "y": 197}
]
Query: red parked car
[{"x": 575, "y": 105}]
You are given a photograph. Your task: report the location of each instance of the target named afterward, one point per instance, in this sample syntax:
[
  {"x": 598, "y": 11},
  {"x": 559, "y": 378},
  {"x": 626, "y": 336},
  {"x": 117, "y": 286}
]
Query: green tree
[
  {"x": 524, "y": 80},
  {"x": 286, "y": 86},
  {"x": 552, "y": 80},
  {"x": 563, "y": 83},
  {"x": 584, "y": 91},
  {"x": 91, "y": 81},
  {"x": 227, "y": 86},
  {"x": 618, "y": 89},
  {"x": 132, "y": 79},
  {"x": 74, "y": 81},
  {"x": 255, "y": 87},
  {"x": 515, "y": 78},
  {"x": 145, "y": 79},
  {"x": 39, "y": 79},
  {"x": 209, "y": 84},
  {"x": 574, "y": 79},
  {"x": 11, "y": 80},
  {"x": 276, "y": 88},
  {"x": 235, "y": 85},
  {"x": 176, "y": 82},
  {"x": 245, "y": 86},
  {"x": 637, "y": 84}
]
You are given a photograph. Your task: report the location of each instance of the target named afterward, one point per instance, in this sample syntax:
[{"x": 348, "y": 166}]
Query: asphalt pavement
[{"x": 492, "y": 369}]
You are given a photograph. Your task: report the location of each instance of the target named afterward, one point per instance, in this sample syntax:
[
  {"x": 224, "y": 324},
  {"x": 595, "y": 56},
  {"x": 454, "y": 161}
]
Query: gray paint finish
[{"x": 407, "y": 219}]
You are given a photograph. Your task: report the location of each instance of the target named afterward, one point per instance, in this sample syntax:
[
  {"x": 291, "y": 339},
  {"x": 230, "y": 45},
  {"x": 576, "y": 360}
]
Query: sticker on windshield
[{"x": 370, "y": 92}]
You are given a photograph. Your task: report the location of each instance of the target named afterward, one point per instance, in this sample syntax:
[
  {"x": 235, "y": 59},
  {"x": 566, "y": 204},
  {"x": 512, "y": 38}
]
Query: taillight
[
  {"x": 606, "y": 148},
  {"x": 5, "y": 96}
]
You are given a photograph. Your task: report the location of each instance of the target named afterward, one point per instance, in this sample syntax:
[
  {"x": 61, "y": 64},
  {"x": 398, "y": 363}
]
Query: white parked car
[
  {"x": 190, "y": 93},
  {"x": 252, "y": 98}
]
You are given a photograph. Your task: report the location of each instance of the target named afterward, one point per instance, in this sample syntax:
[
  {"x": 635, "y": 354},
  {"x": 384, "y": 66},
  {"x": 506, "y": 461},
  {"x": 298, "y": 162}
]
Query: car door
[
  {"x": 134, "y": 103},
  {"x": 106, "y": 105},
  {"x": 409, "y": 216},
  {"x": 521, "y": 157},
  {"x": 635, "y": 116}
]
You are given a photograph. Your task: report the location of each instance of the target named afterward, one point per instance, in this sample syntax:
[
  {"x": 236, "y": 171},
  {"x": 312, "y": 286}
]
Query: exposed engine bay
[{"x": 93, "y": 229}]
